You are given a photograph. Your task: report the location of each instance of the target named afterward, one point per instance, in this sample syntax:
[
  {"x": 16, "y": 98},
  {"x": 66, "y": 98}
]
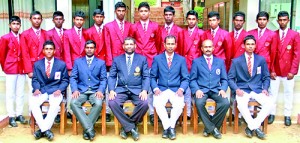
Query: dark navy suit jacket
[{"x": 59, "y": 78}]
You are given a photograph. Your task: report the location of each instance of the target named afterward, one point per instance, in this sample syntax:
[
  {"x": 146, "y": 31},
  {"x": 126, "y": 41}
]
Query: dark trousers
[
  {"x": 217, "y": 119},
  {"x": 116, "y": 106}
]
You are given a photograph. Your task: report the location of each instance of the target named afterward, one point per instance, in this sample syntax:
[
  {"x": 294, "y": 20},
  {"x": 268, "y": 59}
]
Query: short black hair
[
  {"x": 98, "y": 11},
  {"x": 120, "y": 4},
  {"x": 130, "y": 38},
  {"x": 58, "y": 13},
  {"x": 213, "y": 14},
  {"x": 239, "y": 13},
  {"x": 144, "y": 4},
  {"x": 79, "y": 14},
  {"x": 192, "y": 12},
  {"x": 48, "y": 42},
  {"x": 248, "y": 37},
  {"x": 262, "y": 14},
  {"x": 282, "y": 14},
  {"x": 90, "y": 42},
  {"x": 35, "y": 13},
  {"x": 169, "y": 9},
  {"x": 14, "y": 18},
  {"x": 169, "y": 37}
]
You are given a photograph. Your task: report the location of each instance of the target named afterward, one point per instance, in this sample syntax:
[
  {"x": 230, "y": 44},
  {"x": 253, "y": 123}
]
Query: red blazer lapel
[
  {"x": 118, "y": 31},
  {"x": 286, "y": 42},
  {"x": 217, "y": 38},
  {"x": 42, "y": 39},
  {"x": 56, "y": 37},
  {"x": 126, "y": 28},
  {"x": 143, "y": 35},
  {"x": 76, "y": 38},
  {"x": 32, "y": 34},
  {"x": 188, "y": 40}
]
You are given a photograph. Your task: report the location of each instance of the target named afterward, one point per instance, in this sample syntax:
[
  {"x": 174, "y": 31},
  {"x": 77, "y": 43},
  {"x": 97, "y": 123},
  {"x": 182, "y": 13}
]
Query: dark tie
[{"x": 128, "y": 64}]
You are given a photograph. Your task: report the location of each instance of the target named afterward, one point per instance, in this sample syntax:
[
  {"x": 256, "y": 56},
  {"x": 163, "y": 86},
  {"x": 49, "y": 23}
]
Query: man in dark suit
[
  {"x": 169, "y": 80},
  {"x": 130, "y": 72},
  {"x": 212, "y": 70},
  {"x": 88, "y": 83},
  {"x": 249, "y": 78},
  {"x": 50, "y": 79}
]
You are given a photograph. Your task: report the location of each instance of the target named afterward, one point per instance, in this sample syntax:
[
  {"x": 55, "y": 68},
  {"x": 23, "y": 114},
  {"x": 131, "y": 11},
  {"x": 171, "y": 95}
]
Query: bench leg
[
  {"x": 116, "y": 125},
  {"x": 236, "y": 119},
  {"x": 145, "y": 124},
  {"x": 195, "y": 119},
  {"x": 103, "y": 119},
  {"x": 184, "y": 126},
  {"x": 155, "y": 122},
  {"x": 62, "y": 119},
  {"x": 74, "y": 125}
]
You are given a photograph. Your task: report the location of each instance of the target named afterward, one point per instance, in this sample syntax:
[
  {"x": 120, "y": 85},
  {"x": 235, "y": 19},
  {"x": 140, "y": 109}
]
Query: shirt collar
[
  {"x": 97, "y": 27},
  {"x": 263, "y": 30},
  {"x": 167, "y": 56},
  {"x": 50, "y": 60},
  {"x": 89, "y": 57},
  {"x": 192, "y": 29},
  {"x": 147, "y": 22},
  {"x": 36, "y": 29},
  {"x": 76, "y": 29},
  {"x": 171, "y": 25},
  {"x": 211, "y": 57},
  {"x": 131, "y": 56},
  {"x": 118, "y": 21},
  {"x": 215, "y": 30},
  {"x": 57, "y": 29},
  {"x": 238, "y": 31},
  {"x": 16, "y": 35},
  {"x": 285, "y": 30}
]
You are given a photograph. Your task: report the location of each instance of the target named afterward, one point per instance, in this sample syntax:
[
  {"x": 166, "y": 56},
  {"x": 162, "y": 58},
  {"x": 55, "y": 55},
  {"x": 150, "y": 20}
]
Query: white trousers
[
  {"x": 288, "y": 94},
  {"x": 35, "y": 103},
  {"x": 159, "y": 102},
  {"x": 15, "y": 93},
  {"x": 266, "y": 107}
]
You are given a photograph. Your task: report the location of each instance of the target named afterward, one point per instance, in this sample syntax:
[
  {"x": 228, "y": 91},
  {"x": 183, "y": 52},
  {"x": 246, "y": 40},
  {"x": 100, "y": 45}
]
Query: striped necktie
[{"x": 249, "y": 66}]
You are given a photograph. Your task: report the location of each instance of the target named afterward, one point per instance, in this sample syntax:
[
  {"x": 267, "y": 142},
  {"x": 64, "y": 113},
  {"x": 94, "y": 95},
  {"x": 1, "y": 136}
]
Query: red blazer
[
  {"x": 10, "y": 54},
  {"x": 114, "y": 40},
  {"x": 287, "y": 55},
  {"x": 53, "y": 36},
  {"x": 32, "y": 49},
  {"x": 175, "y": 31},
  {"x": 73, "y": 47},
  {"x": 265, "y": 45},
  {"x": 222, "y": 43},
  {"x": 238, "y": 45},
  {"x": 92, "y": 34},
  {"x": 192, "y": 46},
  {"x": 147, "y": 43}
]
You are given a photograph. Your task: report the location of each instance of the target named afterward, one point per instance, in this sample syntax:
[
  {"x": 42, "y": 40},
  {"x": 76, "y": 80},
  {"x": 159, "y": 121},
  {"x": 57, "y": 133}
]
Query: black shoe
[
  {"x": 69, "y": 115},
  {"x": 123, "y": 134},
  {"x": 152, "y": 119},
  {"x": 172, "y": 134},
  {"x": 57, "y": 119},
  {"x": 21, "y": 119},
  {"x": 165, "y": 134},
  {"x": 85, "y": 136},
  {"x": 271, "y": 119},
  {"x": 199, "y": 119},
  {"x": 49, "y": 135},
  {"x": 12, "y": 122},
  {"x": 37, "y": 134},
  {"x": 188, "y": 118},
  {"x": 135, "y": 135},
  {"x": 287, "y": 120},
  {"x": 108, "y": 118},
  {"x": 205, "y": 133},
  {"x": 260, "y": 134},
  {"x": 216, "y": 133},
  {"x": 91, "y": 133},
  {"x": 248, "y": 133}
]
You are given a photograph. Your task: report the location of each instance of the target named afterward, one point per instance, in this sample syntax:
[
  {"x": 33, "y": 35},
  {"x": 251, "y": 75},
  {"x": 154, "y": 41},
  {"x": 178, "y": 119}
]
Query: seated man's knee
[
  {"x": 97, "y": 103},
  {"x": 200, "y": 103}
]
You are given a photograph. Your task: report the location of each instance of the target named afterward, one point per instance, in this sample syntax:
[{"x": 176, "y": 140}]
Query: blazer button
[{"x": 89, "y": 79}]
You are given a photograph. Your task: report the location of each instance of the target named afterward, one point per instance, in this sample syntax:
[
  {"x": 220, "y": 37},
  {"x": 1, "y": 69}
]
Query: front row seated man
[
  {"x": 50, "y": 79},
  {"x": 129, "y": 80},
  {"x": 208, "y": 79},
  {"x": 169, "y": 79},
  {"x": 249, "y": 78},
  {"x": 88, "y": 83}
]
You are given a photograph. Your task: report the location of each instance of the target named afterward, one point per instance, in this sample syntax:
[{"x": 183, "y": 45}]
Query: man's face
[
  {"x": 78, "y": 21},
  {"x": 238, "y": 22},
  {"x": 250, "y": 46},
  {"x": 58, "y": 21},
  {"x": 90, "y": 49},
  {"x": 144, "y": 13},
  {"x": 120, "y": 13},
  {"x": 168, "y": 17},
  {"x": 262, "y": 22},
  {"x": 213, "y": 22},
  {"x": 283, "y": 21},
  {"x": 192, "y": 21},
  {"x": 15, "y": 26},
  {"x": 36, "y": 21},
  {"x": 170, "y": 45},
  {"x": 207, "y": 48},
  {"x": 98, "y": 18},
  {"x": 129, "y": 46},
  {"x": 49, "y": 51}
]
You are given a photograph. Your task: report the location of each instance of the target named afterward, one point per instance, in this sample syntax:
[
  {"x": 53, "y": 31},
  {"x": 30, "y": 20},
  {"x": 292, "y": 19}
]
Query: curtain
[
  {"x": 46, "y": 7},
  {"x": 23, "y": 8},
  {"x": 4, "y": 17}
]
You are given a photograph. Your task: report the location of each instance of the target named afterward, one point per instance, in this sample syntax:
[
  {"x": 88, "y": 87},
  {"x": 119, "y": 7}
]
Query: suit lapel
[
  {"x": 124, "y": 67},
  {"x": 56, "y": 37},
  {"x": 118, "y": 31},
  {"x": 174, "y": 61},
  {"x": 133, "y": 64},
  {"x": 34, "y": 37},
  {"x": 76, "y": 38},
  {"x": 42, "y": 67},
  {"x": 245, "y": 66},
  {"x": 42, "y": 39},
  {"x": 92, "y": 66},
  {"x": 164, "y": 60},
  {"x": 217, "y": 38},
  {"x": 255, "y": 65},
  {"x": 204, "y": 63},
  {"x": 188, "y": 40},
  {"x": 285, "y": 42}
]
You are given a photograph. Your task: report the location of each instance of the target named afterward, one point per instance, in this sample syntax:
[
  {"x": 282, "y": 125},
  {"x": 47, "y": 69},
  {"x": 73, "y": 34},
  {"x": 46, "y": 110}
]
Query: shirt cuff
[
  {"x": 155, "y": 89},
  {"x": 182, "y": 89}
]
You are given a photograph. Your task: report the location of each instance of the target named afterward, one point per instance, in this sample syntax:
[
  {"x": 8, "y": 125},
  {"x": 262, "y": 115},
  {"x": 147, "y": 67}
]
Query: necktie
[
  {"x": 169, "y": 62},
  {"x": 121, "y": 28},
  {"x": 249, "y": 66},
  {"x": 17, "y": 38},
  {"x": 208, "y": 63},
  {"x": 190, "y": 33},
  {"x": 60, "y": 34},
  {"x": 167, "y": 30},
  {"x": 38, "y": 34},
  {"x": 89, "y": 62},
  {"x": 282, "y": 38},
  {"x": 236, "y": 36},
  {"x": 128, "y": 64},
  {"x": 213, "y": 34},
  {"x": 79, "y": 34},
  {"x": 260, "y": 33},
  {"x": 145, "y": 29},
  {"x": 48, "y": 69},
  {"x": 100, "y": 32}
]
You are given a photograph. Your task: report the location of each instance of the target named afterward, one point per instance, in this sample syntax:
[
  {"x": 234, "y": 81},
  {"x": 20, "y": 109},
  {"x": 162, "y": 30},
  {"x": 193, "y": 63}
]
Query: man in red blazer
[
  {"x": 170, "y": 28},
  {"x": 74, "y": 40},
  {"x": 95, "y": 33},
  {"x": 11, "y": 63},
  {"x": 266, "y": 39},
  {"x": 286, "y": 65},
  {"x": 221, "y": 38},
  {"x": 56, "y": 34},
  {"x": 115, "y": 32},
  {"x": 146, "y": 34}
]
